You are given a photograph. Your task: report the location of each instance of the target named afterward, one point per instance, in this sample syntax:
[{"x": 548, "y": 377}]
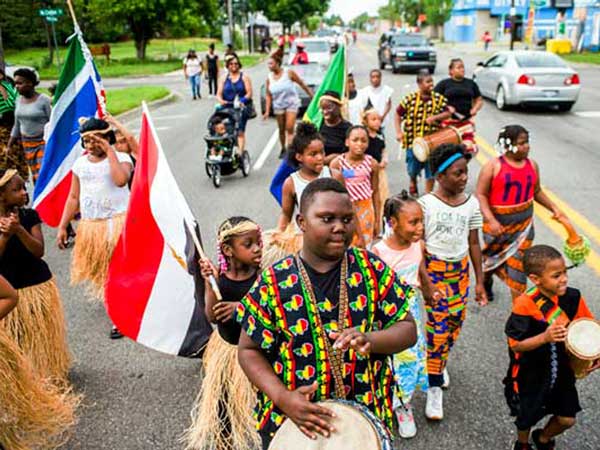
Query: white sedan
[
  {"x": 528, "y": 78},
  {"x": 318, "y": 50}
]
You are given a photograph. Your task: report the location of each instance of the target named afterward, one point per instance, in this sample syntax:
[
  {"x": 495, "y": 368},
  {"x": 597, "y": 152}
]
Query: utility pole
[
  {"x": 2, "y": 63},
  {"x": 513, "y": 18},
  {"x": 230, "y": 22}
]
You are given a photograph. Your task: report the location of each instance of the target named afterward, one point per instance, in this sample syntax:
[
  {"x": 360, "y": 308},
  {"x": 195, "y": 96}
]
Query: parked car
[
  {"x": 11, "y": 68},
  {"x": 528, "y": 78},
  {"x": 406, "y": 51},
  {"x": 312, "y": 74},
  {"x": 318, "y": 50}
]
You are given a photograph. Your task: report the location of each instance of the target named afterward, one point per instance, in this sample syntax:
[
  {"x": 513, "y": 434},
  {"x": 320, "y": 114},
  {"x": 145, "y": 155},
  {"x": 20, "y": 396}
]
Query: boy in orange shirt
[{"x": 540, "y": 380}]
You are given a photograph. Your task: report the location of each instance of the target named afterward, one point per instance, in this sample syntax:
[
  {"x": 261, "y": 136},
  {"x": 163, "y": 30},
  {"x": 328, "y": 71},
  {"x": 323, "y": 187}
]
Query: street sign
[
  {"x": 51, "y": 19},
  {"x": 51, "y": 12}
]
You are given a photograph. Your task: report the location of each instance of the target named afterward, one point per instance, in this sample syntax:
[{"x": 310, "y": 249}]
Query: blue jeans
[
  {"x": 195, "y": 84},
  {"x": 415, "y": 167}
]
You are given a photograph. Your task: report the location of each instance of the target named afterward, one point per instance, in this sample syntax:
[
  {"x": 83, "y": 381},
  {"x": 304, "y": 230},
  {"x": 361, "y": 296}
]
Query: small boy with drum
[
  {"x": 540, "y": 380},
  {"x": 417, "y": 115},
  {"x": 320, "y": 324}
]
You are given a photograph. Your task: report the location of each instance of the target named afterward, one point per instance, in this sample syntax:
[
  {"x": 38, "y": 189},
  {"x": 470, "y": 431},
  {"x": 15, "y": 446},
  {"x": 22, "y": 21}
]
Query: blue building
[{"x": 471, "y": 18}]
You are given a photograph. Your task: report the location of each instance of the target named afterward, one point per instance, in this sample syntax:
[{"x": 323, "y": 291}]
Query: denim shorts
[{"x": 415, "y": 167}]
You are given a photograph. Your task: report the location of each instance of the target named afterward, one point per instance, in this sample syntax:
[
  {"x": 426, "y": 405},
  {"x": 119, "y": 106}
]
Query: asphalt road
[{"x": 137, "y": 399}]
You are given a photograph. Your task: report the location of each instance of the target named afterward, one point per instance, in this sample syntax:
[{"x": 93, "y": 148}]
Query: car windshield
[
  {"x": 316, "y": 46},
  {"x": 409, "y": 41},
  {"x": 308, "y": 71},
  {"x": 324, "y": 33},
  {"x": 540, "y": 59}
]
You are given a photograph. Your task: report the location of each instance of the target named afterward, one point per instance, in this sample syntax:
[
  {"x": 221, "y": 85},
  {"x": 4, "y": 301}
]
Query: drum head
[
  {"x": 420, "y": 149},
  {"x": 583, "y": 338},
  {"x": 353, "y": 432}
]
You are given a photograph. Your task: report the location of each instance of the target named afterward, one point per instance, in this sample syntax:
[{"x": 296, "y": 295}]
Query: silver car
[{"x": 528, "y": 78}]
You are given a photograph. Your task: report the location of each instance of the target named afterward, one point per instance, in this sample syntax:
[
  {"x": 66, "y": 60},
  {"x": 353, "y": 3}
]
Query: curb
[{"x": 132, "y": 113}]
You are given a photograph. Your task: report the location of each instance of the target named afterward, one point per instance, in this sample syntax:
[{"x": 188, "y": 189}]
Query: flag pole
[
  {"x": 190, "y": 228},
  {"x": 72, "y": 12}
]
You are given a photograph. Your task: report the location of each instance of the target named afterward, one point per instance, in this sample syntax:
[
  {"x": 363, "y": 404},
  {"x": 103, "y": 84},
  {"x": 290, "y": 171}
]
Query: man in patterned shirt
[
  {"x": 417, "y": 115},
  {"x": 294, "y": 348}
]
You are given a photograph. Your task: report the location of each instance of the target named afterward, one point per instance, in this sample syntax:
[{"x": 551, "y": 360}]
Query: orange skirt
[{"x": 365, "y": 223}]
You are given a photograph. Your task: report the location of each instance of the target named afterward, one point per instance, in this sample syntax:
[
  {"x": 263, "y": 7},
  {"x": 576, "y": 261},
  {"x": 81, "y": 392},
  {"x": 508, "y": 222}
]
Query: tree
[
  {"x": 360, "y": 21},
  {"x": 288, "y": 12},
  {"x": 313, "y": 23},
  {"x": 438, "y": 11},
  {"x": 334, "y": 20},
  {"x": 406, "y": 10}
]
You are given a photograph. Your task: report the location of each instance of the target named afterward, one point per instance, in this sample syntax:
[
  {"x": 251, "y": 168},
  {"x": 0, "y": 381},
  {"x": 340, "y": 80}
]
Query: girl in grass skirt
[
  {"x": 34, "y": 413},
  {"x": 37, "y": 325},
  {"x": 222, "y": 416}
]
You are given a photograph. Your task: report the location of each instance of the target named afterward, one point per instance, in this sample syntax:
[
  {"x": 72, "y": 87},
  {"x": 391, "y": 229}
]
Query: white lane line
[
  {"x": 266, "y": 151},
  {"x": 588, "y": 114}
]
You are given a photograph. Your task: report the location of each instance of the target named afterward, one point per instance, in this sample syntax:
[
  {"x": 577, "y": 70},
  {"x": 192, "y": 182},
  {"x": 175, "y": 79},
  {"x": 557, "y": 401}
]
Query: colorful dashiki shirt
[{"x": 277, "y": 314}]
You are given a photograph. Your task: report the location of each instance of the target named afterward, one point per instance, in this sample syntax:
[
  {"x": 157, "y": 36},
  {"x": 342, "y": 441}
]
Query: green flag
[{"x": 335, "y": 80}]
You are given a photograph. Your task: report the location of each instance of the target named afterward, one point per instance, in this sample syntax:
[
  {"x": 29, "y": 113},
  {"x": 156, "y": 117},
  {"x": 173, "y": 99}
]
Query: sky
[{"x": 349, "y": 9}]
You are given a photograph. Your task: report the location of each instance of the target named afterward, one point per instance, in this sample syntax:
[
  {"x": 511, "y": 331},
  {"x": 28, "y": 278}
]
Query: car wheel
[
  {"x": 565, "y": 107},
  {"x": 431, "y": 70},
  {"x": 501, "y": 99},
  {"x": 396, "y": 69},
  {"x": 216, "y": 176},
  {"x": 381, "y": 65}
]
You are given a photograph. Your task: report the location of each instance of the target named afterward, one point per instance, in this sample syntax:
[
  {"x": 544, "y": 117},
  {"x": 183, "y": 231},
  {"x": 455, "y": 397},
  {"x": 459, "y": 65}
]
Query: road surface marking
[
  {"x": 588, "y": 228},
  {"x": 266, "y": 151},
  {"x": 172, "y": 117},
  {"x": 588, "y": 114},
  {"x": 593, "y": 259}
]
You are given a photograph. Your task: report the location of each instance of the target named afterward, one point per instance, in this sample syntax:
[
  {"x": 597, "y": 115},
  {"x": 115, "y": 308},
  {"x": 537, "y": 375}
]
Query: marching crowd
[{"x": 359, "y": 294}]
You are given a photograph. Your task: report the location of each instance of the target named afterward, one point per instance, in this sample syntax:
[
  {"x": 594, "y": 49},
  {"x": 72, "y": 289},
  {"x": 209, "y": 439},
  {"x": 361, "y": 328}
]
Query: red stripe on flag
[
  {"x": 51, "y": 209},
  {"x": 137, "y": 256}
]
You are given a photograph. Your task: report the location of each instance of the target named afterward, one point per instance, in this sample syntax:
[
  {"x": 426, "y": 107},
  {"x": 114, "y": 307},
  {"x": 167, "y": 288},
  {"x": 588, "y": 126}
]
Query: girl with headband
[
  {"x": 99, "y": 191},
  {"x": 37, "y": 325},
  {"x": 452, "y": 223},
  {"x": 222, "y": 415}
]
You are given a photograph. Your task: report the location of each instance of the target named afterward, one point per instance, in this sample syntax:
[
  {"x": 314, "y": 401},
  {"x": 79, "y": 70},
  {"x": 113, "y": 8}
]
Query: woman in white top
[
  {"x": 99, "y": 191},
  {"x": 192, "y": 70},
  {"x": 282, "y": 98}
]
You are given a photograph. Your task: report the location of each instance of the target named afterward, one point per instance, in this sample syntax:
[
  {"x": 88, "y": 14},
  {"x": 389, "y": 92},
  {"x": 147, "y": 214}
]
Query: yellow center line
[{"x": 593, "y": 259}]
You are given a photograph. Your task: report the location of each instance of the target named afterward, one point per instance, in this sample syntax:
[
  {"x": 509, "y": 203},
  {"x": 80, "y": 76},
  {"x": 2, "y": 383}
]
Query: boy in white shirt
[{"x": 380, "y": 96}]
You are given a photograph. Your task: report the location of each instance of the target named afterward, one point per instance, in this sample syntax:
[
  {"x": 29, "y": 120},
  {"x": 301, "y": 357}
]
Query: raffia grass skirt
[
  {"x": 94, "y": 244},
  {"x": 34, "y": 414},
  {"x": 279, "y": 244},
  {"x": 222, "y": 414},
  {"x": 37, "y": 326}
]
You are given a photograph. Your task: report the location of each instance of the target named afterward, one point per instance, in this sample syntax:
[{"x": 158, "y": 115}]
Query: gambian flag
[
  {"x": 334, "y": 80},
  {"x": 155, "y": 293},
  {"x": 79, "y": 93}
]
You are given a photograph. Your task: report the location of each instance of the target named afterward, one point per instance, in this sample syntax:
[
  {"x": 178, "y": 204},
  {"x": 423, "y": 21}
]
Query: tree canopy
[{"x": 289, "y": 12}]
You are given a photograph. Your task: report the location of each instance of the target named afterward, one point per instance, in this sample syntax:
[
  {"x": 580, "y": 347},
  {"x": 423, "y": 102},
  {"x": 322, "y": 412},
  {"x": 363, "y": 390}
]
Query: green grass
[
  {"x": 120, "y": 100},
  {"x": 586, "y": 57},
  {"x": 162, "y": 56}
]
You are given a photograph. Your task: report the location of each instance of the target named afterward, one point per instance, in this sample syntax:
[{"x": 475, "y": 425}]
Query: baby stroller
[{"x": 221, "y": 149}]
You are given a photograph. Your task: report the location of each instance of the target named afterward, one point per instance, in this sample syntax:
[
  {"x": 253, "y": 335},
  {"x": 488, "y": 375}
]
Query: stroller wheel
[
  {"x": 245, "y": 163},
  {"x": 209, "y": 169},
  {"x": 216, "y": 176}
]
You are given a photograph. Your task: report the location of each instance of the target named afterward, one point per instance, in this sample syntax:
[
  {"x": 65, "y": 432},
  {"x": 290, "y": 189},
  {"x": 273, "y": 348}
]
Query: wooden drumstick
[{"x": 211, "y": 279}]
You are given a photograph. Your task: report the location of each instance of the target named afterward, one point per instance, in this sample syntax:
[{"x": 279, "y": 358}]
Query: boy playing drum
[
  {"x": 295, "y": 350},
  {"x": 540, "y": 380}
]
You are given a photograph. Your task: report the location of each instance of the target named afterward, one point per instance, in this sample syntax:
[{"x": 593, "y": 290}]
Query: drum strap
[{"x": 335, "y": 357}]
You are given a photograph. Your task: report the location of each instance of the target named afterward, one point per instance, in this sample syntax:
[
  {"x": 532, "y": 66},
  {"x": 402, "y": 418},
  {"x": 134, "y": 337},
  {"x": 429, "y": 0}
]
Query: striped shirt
[
  {"x": 358, "y": 178},
  {"x": 7, "y": 104}
]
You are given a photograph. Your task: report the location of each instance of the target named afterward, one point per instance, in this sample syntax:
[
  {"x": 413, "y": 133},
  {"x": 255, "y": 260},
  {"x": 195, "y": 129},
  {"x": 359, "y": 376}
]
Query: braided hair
[
  {"x": 229, "y": 229},
  {"x": 305, "y": 133},
  {"x": 395, "y": 203},
  {"x": 508, "y": 136}
]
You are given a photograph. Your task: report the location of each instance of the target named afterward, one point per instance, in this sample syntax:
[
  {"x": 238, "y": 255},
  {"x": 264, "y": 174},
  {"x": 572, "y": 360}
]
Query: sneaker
[
  {"x": 446, "y": 383},
  {"x": 406, "y": 422},
  {"x": 115, "y": 333},
  {"x": 535, "y": 437},
  {"x": 434, "y": 409},
  {"x": 521, "y": 446}
]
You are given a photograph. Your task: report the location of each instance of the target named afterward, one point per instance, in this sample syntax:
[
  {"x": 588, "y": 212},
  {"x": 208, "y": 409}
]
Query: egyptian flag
[{"x": 155, "y": 293}]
